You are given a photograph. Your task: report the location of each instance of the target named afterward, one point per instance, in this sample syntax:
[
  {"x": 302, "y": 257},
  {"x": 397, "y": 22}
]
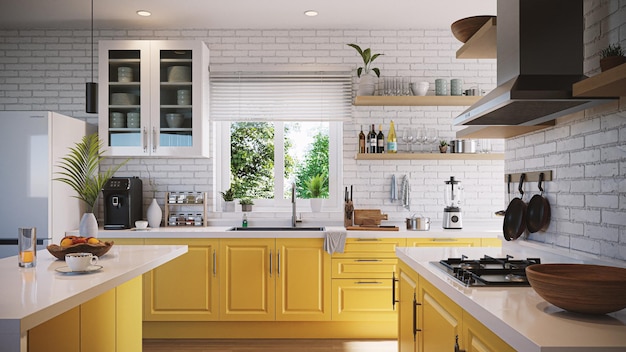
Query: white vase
[
  {"x": 316, "y": 204},
  {"x": 367, "y": 84},
  {"x": 88, "y": 226},
  {"x": 154, "y": 214}
]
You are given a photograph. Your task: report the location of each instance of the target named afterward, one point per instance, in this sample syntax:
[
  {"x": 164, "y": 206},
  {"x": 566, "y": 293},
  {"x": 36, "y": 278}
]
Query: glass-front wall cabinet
[{"x": 155, "y": 99}]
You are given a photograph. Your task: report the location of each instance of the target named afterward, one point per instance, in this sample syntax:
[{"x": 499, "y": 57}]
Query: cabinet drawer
[
  {"x": 362, "y": 300},
  {"x": 371, "y": 248},
  {"x": 372, "y": 268},
  {"x": 444, "y": 242}
]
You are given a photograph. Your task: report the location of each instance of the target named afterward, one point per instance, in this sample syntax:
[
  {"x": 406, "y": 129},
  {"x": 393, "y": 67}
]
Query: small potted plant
[
  {"x": 367, "y": 84},
  {"x": 611, "y": 56},
  {"x": 229, "y": 200},
  {"x": 443, "y": 146},
  {"x": 316, "y": 187},
  {"x": 246, "y": 204}
]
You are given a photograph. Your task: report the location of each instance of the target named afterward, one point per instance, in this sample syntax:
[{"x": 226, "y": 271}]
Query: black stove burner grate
[{"x": 489, "y": 271}]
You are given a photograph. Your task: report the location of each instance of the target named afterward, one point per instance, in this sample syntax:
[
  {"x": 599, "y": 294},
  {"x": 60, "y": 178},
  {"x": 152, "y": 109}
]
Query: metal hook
[
  {"x": 540, "y": 184},
  {"x": 508, "y": 185},
  {"x": 522, "y": 177}
]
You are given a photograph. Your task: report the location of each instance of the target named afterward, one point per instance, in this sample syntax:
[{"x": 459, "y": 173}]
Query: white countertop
[
  {"x": 30, "y": 296},
  {"x": 482, "y": 229},
  {"x": 517, "y": 314}
]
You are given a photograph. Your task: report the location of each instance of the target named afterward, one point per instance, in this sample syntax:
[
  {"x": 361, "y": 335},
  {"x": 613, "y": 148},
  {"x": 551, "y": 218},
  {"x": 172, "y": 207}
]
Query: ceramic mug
[
  {"x": 118, "y": 120},
  {"x": 456, "y": 86},
  {"x": 141, "y": 224},
  {"x": 80, "y": 261},
  {"x": 132, "y": 120}
]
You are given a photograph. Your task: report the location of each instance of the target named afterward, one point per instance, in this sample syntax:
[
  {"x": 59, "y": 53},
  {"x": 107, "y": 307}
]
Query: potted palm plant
[
  {"x": 81, "y": 171},
  {"x": 228, "y": 197},
  {"x": 611, "y": 56},
  {"x": 367, "y": 83},
  {"x": 316, "y": 187}
]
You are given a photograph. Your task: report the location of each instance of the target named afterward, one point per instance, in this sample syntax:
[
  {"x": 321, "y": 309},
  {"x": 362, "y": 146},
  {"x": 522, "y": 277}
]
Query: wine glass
[
  {"x": 418, "y": 136},
  {"x": 407, "y": 138},
  {"x": 431, "y": 135}
]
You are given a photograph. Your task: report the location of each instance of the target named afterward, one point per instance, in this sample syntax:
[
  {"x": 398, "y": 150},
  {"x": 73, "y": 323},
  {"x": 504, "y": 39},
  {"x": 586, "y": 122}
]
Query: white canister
[
  {"x": 183, "y": 97},
  {"x": 132, "y": 120},
  {"x": 441, "y": 87},
  {"x": 124, "y": 74},
  {"x": 118, "y": 120}
]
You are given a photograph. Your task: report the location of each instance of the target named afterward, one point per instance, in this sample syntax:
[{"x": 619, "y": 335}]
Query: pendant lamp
[{"x": 91, "y": 88}]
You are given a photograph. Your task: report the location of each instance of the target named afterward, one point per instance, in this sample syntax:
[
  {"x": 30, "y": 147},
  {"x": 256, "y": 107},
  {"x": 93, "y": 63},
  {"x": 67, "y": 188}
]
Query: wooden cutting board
[
  {"x": 368, "y": 217},
  {"x": 372, "y": 228}
]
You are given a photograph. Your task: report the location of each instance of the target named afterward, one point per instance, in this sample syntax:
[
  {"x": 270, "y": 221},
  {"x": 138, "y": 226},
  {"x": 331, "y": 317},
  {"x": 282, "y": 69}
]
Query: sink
[{"x": 271, "y": 229}]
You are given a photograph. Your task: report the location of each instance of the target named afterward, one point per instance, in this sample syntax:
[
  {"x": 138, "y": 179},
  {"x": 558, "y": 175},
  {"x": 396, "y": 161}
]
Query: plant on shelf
[
  {"x": 229, "y": 200},
  {"x": 316, "y": 187},
  {"x": 367, "y": 84},
  {"x": 443, "y": 146},
  {"x": 81, "y": 171},
  {"x": 246, "y": 204},
  {"x": 611, "y": 56}
]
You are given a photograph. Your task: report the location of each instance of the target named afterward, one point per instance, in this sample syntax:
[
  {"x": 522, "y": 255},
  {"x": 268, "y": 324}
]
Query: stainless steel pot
[
  {"x": 418, "y": 224},
  {"x": 469, "y": 146}
]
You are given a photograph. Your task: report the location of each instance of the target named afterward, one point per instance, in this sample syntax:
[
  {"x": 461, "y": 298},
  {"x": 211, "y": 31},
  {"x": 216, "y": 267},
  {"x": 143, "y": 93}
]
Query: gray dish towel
[
  {"x": 394, "y": 191},
  {"x": 334, "y": 241},
  {"x": 406, "y": 193}
]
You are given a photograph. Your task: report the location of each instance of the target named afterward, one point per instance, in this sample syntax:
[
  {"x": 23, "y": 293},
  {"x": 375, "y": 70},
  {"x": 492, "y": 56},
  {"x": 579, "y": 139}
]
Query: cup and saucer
[
  {"x": 141, "y": 225},
  {"x": 80, "y": 263}
]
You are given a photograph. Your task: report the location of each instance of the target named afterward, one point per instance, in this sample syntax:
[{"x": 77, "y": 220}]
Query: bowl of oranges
[{"x": 79, "y": 244}]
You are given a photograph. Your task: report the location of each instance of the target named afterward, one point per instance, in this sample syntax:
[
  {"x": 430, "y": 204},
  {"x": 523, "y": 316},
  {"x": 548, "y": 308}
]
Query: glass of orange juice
[{"x": 27, "y": 246}]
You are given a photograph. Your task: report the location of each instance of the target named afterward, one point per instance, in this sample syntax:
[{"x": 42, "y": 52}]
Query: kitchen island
[
  {"x": 33, "y": 296},
  {"x": 516, "y": 315}
]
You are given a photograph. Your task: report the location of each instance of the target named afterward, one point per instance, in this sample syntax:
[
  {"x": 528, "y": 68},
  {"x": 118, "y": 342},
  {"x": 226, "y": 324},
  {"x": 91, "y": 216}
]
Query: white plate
[
  {"x": 146, "y": 229},
  {"x": 90, "y": 269}
]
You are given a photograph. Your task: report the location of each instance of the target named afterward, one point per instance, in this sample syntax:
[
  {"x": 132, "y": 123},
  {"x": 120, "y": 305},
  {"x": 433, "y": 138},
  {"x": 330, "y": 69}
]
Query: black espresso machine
[{"x": 123, "y": 202}]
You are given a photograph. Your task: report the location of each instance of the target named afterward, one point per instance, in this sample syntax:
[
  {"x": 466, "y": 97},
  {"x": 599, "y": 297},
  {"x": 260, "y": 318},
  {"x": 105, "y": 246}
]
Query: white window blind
[{"x": 241, "y": 96}]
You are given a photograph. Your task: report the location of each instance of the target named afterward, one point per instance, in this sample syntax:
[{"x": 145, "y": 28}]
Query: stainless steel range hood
[{"x": 540, "y": 56}]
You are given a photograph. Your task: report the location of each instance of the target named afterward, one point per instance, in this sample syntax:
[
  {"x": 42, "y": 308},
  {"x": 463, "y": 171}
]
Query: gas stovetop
[{"x": 488, "y": 271}]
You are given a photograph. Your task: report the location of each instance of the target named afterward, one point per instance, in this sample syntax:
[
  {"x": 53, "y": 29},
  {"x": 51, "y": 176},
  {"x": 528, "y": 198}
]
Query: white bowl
[
  {"x": 141, "y": 224},
  {"x": 124, "y": 99},
  {"x": 179, "y": 74},
  {"x": 420, "y": 89},
  {"x": 174, "y": 120}
]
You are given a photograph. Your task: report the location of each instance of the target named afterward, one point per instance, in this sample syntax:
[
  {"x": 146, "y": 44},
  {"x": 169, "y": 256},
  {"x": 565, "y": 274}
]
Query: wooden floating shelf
[
  {"x": 500, "y": 131},
  {"x": 610, "y": 83},
  {"x": 430, "y": 156},
  {"x": 428, "y": 100},
  {"x": 482, "y": 45}
]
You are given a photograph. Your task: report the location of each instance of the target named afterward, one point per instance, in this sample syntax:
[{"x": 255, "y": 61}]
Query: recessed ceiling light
[
  {"x": 310, "y": 13},
  {"x": 144, "y": 13}
]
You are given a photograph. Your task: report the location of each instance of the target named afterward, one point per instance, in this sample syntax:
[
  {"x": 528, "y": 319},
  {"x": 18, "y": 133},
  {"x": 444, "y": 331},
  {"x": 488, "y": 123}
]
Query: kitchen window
[{"x": 276, "y": 128}]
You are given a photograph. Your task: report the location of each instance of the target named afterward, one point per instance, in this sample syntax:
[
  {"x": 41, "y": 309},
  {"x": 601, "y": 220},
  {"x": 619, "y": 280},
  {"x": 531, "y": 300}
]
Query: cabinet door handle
[
  {"x": 368, "y": 282},
  {"x": 278, "y": 263},
  {"x": 214, "y": 263},
  {"x": 145, "y": 140},
  {"x": 155, "y": 137},
  {"x": 368, "y": 260},
  {"x": 270, "y": 263},
  {"x": 415, "y": 329},
  {"x": 393, "y": 290},
  {"x": 445, "y": 240},
  {"x": 368, "y": 239}
]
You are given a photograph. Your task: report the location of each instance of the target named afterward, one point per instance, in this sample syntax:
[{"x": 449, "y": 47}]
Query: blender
[{"x": 452, "y": 211}]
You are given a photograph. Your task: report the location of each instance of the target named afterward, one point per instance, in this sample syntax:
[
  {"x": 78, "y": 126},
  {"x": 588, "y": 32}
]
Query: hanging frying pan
[
  {"x": 515, "y": 216},
  {"x": 538, "y": 210}
]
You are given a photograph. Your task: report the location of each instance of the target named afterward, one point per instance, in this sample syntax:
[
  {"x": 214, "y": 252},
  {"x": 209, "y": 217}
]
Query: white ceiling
[{"x": 244, "y": 14}]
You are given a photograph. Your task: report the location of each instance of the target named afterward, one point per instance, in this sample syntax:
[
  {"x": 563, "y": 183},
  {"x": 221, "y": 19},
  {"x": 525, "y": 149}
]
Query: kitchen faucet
[{"x": 293, "y": 204}]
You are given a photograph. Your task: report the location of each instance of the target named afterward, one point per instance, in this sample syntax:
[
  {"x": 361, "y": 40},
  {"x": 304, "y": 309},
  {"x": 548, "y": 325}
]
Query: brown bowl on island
[
  {"x": 580, "y": 288},
  {"x": 78, "y": 244}
]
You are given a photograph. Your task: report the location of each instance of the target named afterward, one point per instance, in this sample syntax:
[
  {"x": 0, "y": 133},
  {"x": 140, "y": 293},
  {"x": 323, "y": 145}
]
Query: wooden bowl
[
  {"x": 99, "y": 249},
  {"x": 580, "y": 288},
  {"x": 465, "y": 28}
]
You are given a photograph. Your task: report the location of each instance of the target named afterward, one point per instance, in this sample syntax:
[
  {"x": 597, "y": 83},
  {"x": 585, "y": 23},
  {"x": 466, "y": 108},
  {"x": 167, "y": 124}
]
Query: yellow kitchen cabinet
[
  {"x": 186, "y": 288},
  {"x": 247, "y": 286},
  {"x": 444, "y": 242},
  {"x": 363, "y": 300},
  {"x": 478, "y": 338},
  {"x": 441, "y": 321},
  {"x": 408, "y": 309},
  {"x": 371, "y": 248},
  {"x": 128, "y": 312},
  {"x": 97, "y": 323},
  {"x": 59, "y": 334},
  {"x": 363, "y": 268},
  {"x": 303, "y": 284}
]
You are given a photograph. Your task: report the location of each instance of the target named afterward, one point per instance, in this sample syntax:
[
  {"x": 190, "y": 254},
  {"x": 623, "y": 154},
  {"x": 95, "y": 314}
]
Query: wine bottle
[
  {"x": 380, "y": 140},
  {"x": 372, "y": 140},
  {"x": 362, "y": 141},
  {"x": 392, "y": 141}
]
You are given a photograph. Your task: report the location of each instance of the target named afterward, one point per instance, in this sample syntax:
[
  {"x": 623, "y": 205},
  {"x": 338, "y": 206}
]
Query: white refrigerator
[{"x": 31, "y": 146}]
